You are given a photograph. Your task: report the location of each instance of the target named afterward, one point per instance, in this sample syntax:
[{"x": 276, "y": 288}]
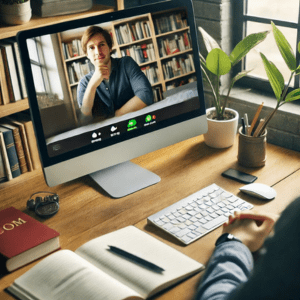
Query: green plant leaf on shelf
[
  {"x": 275, "y": 77},
  {"x": 244, "y": 46},
  {"x": 218, "y": 62},
  {"x": 285, "y": 48},
  {"x": 210, "y": 42},
  {"x": 293, "y": 95}
]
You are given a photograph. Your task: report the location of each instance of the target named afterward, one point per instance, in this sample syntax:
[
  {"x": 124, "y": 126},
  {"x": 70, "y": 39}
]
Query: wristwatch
[{"x": 226, "y": 237}]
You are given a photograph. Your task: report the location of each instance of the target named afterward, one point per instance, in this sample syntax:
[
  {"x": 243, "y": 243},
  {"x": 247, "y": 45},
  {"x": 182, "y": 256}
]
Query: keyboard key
[
  {"x": 186, "y": 239},
  {"x": 167, "y": 226},
  {"x": 182, "y": 232},
  {"x": 218, "y": 221}
]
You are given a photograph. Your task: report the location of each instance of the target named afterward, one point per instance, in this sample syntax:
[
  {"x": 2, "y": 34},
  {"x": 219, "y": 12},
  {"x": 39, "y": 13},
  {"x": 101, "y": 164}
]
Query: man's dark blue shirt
[{"x": 126, "y": 81}]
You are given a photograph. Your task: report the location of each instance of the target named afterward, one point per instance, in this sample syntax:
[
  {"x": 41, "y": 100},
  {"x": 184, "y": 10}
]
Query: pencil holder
[{"x": 252, "y": 150}]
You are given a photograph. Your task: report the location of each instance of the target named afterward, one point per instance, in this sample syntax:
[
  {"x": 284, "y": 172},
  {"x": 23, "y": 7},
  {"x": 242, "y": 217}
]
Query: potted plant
[
  {"x": 280, "y": 89},
  {"x": 222, "y": 121},
  {"x": 15, "y": 12}
]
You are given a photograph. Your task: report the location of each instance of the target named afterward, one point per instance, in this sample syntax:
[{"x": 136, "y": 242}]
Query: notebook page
[
  {"x": 137, "y": 242},
  {"x": 65, "y": 275}
]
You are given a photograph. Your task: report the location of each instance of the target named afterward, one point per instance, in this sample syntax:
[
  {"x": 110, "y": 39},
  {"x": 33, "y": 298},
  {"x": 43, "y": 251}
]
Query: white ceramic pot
[
  {"x": 15, "y": 14},
  {"x": 221, "y": 133}
]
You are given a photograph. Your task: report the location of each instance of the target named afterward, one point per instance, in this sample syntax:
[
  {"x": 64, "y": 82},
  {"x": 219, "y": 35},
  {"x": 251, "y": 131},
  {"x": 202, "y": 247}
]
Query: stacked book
[
  {"x": 163, "y": 23},
  {"x": 131, "y": 32},
  {"x": 72, "y": 49},
  {"x": 18, "y": 149},
  {"x": 49, "y": 8},
  {"x": 140, "y": 53},
  {"x": 178, "y": 66},
  {"x": 78, "y": 69},
  {"x": 12, "y": 83},
  {"x": 174, "y": 44}
]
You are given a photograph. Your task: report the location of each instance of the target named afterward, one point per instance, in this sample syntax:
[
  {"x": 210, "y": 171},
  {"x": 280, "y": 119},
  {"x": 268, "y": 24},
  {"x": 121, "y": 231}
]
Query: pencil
[
  {"x": 257, "y": 130},
  {"x": 255, "y": 118}
]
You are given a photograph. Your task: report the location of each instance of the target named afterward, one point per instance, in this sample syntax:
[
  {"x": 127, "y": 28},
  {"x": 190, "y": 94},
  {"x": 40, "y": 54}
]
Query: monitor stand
[{"x": 124, "y": 179}]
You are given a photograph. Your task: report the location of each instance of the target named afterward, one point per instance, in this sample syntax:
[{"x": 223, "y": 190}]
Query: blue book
[{"x": 11, "y": 151}]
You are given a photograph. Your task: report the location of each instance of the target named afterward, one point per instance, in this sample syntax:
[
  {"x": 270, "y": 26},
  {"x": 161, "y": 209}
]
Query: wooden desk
[{"x": 184, "y": 168}]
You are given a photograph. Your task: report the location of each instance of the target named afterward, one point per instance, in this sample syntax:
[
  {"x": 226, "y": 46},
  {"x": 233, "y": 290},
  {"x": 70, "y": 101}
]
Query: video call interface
[{"x": 159, "y": 43}]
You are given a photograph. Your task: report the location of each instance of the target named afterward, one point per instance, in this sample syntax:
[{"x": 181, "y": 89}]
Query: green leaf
[
  {"x": 218, "y": 62},
  {"x": 239, "y": 76},
  {"x": 299, "y": 47},
  {"x": 275, "y": 77},
  {"x": 209, "y": 41},
  {"x": 297, "y": 71},
  {"x": 285, "y": 48},
  {"x": 245, "y": 45},
  {"x": 293, "y": 95}
]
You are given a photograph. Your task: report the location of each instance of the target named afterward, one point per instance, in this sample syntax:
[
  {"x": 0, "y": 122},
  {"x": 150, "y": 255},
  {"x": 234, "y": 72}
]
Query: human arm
[
  {"x": 134, "y": 104},
  {"x": 140, "y": 84},
  {"x": 232, "y": 262},
  {"x": 101, "y": 72}
]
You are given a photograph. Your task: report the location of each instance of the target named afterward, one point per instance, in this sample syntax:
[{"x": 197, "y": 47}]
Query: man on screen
[{"x": 117, "y": 85}]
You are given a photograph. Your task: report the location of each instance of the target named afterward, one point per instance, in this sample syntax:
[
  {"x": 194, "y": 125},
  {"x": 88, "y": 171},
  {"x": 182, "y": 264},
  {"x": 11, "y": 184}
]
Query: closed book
[
  {"x": 93, "y": 271},
  {"x": 3, "y": 176},
  {"x": 11, "y": 151},
  {"x": 23, "y": 239},
  {"x": 18, "y": 145},
  {"x": 5, "y": 157},
  {"x": 12, "y": 69},
  {"x": 6, "y": 82},
  {"x": 24, "y": 140},
  {"x": 3, "y": 81},
  {"x": 34, "y": 152}
]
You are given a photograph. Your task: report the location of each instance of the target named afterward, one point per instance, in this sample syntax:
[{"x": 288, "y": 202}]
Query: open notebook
[{"x": 93, "y": 272}]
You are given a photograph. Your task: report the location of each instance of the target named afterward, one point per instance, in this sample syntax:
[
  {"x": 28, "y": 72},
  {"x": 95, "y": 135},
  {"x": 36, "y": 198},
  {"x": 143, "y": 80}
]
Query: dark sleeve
[
  {"x": 229, "y": 267},
  {"x": 81, "y": 90},
  {"x": 276, "y": 274},
  {"x": 139, "y": 82}
]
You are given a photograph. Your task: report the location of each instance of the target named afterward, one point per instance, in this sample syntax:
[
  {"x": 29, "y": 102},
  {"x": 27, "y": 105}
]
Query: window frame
[
  {"x": 41, "y": 65},
  {"x": 240, "y": 18}
]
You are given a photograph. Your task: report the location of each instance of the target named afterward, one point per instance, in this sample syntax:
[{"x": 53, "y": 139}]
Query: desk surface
[{"x": 86, "y": 212}]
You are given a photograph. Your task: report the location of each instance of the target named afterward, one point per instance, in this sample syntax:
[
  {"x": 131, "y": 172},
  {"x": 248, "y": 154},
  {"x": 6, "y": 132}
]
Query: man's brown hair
[{"x": 90, "y": 32}]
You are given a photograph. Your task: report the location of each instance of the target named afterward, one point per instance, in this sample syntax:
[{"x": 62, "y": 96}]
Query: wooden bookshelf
[
  {"x": 119, "y": 49},
  {"x": 6, "y": 31}
]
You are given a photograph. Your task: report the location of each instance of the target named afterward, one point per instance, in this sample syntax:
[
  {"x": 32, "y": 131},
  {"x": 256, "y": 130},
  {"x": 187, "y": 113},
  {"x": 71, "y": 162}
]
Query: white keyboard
[{"x": 196, "y": 215}]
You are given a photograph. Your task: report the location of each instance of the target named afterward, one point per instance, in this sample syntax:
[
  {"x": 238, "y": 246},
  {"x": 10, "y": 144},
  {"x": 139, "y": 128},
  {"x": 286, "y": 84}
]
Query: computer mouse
[{"x": 259, "y": 190}]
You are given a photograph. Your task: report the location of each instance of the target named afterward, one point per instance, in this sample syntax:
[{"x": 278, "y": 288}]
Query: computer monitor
[{"x": 161, "y": 40}]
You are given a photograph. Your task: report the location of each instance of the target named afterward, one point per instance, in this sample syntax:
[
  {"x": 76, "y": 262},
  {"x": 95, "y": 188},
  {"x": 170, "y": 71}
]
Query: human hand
[
  {"x": 251, "y": 227},
  {"x": 101, "y": 72}
]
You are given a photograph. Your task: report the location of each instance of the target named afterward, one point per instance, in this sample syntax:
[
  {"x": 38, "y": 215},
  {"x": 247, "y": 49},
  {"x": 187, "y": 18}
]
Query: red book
[{"x": 24, "y": 239}]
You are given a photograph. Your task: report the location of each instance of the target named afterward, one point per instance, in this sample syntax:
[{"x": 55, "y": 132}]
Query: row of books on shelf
[
  {"x": 174, "y": 44},
  {"x": 180, "y": 82},
  {"x": 18, "y": 148},
  {"x": 131, "y": 32},
  {"x": 12, "y": 82},
  {"x": 140, "y": 53},
  {"x": 78, "y": 69},
  {"x": 178, "y": 66},
  {"x": 151, "y": 73},
  {"x": 72, "y": 49},
  {"x": 169, "y": 23}
]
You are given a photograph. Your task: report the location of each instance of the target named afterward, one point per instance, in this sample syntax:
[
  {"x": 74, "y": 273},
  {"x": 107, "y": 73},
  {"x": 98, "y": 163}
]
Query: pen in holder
[{"x": 252, "y": 150}]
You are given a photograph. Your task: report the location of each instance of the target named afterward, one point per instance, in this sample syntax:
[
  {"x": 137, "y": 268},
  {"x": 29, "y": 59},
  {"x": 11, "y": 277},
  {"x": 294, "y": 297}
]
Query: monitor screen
[{"x": 106, "y": 89}]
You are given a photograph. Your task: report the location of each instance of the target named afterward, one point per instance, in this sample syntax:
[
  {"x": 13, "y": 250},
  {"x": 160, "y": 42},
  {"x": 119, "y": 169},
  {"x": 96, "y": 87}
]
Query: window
[
  {"x": 40, "y": 77},
  {"x": 256, "y": 15}
]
